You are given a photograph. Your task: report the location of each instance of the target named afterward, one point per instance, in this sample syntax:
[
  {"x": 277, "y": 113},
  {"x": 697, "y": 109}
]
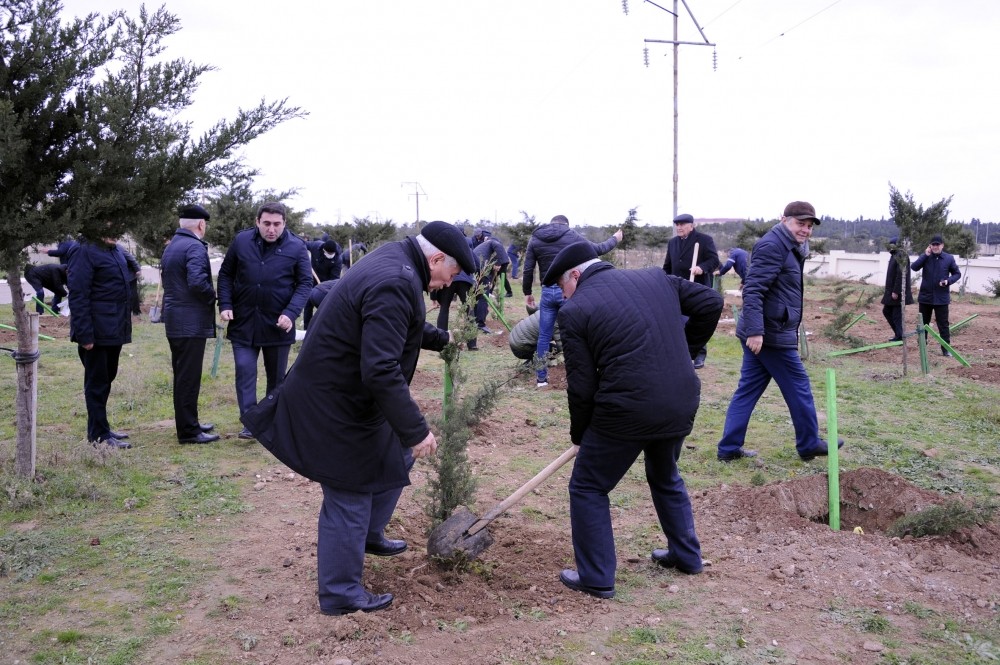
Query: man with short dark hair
[
  {"x": 355, "y": 369},
  {"x": 264, "y": 282},
  {"x": 940, "y": 271},
  {"x": 625, "y": 400},
  {"x": 545, "y": 243},
  {"x": 188, "y": 318},
  {"x": 897, "y": 288},
  {"x": 768, "y": 329},
  {"x": 680, "y": 257}
]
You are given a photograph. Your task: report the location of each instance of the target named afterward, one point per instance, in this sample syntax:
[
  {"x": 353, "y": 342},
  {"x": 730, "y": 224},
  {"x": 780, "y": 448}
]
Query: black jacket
[
  {"x": 259, "y": 281},
  {"x": 325, "y": 269},
  {"x": 344, "y": 412},
  {"x": 773, "y": 290},
  {"x": 628, "y": 352},
  {"x": 898, "y": 270},
  {"x": 51, "y": 276},
  {"x": 680, "y": 253},
  {"x": 936, "y": 267},
  {"x": 98, "y": 279},
  {"x": 546, "y": 242},
  {"x": 188, "y": 294}
]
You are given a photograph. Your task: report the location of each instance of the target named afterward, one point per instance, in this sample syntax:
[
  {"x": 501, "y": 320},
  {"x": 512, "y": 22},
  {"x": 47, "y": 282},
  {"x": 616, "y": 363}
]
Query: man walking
[
  {"x": 264, "y": 283},
  {"x": 545, "y": 243},
  {"x": 624, "y": 400},
  {"x": 188, "y": 318},
  {"x": 769, "y": 331},
  {"x": 897, "y": 289},
  {"x": 355, "y": 368},
  {"x": 100, "y": 323},
  {"x": 680, "y": 260},
  {"x": 940, "y": 271}
]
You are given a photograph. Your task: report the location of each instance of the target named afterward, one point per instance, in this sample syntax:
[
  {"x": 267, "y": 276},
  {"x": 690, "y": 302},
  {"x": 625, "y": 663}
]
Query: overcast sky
[{"x": 545, "y": 106}]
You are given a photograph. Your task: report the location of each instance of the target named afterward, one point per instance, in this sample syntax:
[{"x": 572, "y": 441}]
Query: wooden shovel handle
[
  {"x": 521, "y": 491},
  {"x": 694, "y": 261}
]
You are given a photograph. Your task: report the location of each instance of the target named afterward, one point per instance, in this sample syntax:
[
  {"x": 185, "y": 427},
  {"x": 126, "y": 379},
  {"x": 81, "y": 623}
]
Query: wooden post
[{"x": 26, "y": 399}]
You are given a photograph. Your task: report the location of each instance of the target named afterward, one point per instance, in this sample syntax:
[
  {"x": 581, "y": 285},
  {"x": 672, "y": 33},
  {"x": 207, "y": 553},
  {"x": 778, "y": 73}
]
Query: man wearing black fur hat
[
  {"x": 355, "y": 368},
  {"x": 624, "y": 400}
]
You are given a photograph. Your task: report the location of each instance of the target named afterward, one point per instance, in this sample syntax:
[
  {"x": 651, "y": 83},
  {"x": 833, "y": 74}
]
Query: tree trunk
[{"x": 27, "y": 377}]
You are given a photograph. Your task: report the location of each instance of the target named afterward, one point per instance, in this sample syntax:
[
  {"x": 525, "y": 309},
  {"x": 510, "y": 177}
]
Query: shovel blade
[{"x": 449, "y": 540}]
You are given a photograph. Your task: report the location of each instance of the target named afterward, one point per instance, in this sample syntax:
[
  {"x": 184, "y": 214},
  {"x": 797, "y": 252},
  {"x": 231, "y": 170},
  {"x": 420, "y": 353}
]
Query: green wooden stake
[
  {"x": 40, "y": 335},
  {"x": 948, "y": 346},
  {"x": 218, "y": 350},
  {"x": 849, "y": 325},
  {"x": 961, "y": 324},
  {"x": 497, "y": 312},
  {"x": 922, "y": 344},
  {"x": 501, "y": 294},
  {"x": 47, "y": 308},
  {"x": 870, "y": 347},
  {"x": 833, "y": 453}
]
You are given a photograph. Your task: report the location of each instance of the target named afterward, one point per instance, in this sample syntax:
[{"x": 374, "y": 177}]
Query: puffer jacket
[
  {"x": 546, "y": 242},
  {"x": 936, "y": 267},
  {"x": 773, "y": 290},
  {"x": 98, "y": 279},
  {"x": 188, "y": 294}
]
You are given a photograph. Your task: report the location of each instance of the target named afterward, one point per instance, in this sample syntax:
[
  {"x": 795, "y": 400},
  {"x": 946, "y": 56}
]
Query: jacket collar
[
  {"x": 593, "y": 269},
  {"x": 190, "y": 234},
  {"x": 412, "y": 249}
]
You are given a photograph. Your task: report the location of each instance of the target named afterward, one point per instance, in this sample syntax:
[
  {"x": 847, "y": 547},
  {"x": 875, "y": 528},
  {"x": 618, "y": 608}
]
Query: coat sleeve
[
  {"x": 435, "y": 339},
  {"x": 919, "y": 263},
  {"x": 954, "y": 274},
  {"x": 768, "y": 258},
  {"x": 709, "y": 256},
  {"x": 227, "y": 272},
  {"x": 667, "y": 263},
  {"x": 199, "y": 273},
  {"x": 703, "y": 307},
  {"x": 581, "y": 373},
  {"x": 528, "y": 269},
  {"x": 895, "y": 274},
  {"x": 303, "y": 286},
  {"x": 606, "y": 246}
]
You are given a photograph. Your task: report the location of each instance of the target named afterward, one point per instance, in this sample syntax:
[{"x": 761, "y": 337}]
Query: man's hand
[
  {"x": 529, "y": 300},
  {"x": 928, "y": 250},
  {"x": 87, "y": 347},
  {"x": 618, "y": 235},
  {"x": 895, "y": 296},
  {"x": 697, "y": 271},
  {"x": 425, "y": 447},
  {"x": 284, "y": 323},
  {"x": 755, "y": 343},
  {"x": 226, "y": 315}
]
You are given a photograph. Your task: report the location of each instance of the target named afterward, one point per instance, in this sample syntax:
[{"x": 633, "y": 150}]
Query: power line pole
[
  {"x": 418, "y": 191},
  {"x": 676, "y": 43}
]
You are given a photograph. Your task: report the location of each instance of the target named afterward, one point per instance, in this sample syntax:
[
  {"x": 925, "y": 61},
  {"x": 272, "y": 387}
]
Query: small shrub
[
  {"x": 943, "y": 519},
  {"x": 994, "y": 287}
]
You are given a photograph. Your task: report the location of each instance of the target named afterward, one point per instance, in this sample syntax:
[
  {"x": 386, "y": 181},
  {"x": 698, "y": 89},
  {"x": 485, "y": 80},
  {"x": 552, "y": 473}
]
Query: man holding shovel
[
  {"x": 355, "y": 368},
  {"x": 691, "y": 255},
  {"x": 632, "y": 389}
]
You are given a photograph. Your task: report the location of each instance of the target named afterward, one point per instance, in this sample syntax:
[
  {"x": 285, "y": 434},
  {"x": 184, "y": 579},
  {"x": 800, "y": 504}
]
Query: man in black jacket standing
[
  {"x": 769, "y": 330},
  {"x": 625, "y": 399},
  {"x": 100, "y": 323},
  {"x": 547, "y": 241},
  {"x": 264, "y": 283},
  {"x": 897, "y": 289},
  {"x": 940, "y": 272},
  {"x": 188, "y": 318},
  {"x": 355, "y": 369},
  {"x": 680, "y": 257}
]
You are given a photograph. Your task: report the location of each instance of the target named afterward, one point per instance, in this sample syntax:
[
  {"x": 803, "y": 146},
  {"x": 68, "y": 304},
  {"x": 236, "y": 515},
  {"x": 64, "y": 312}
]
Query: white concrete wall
[{"x": 976, "y": 273}]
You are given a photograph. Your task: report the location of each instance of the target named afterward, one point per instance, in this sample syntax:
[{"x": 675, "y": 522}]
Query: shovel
[
  {"x": 463, "y": 535},
  {"x": 154, "y": 312}
]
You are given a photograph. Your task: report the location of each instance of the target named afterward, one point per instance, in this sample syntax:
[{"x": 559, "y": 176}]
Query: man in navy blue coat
[
  {"x": 737, "y": 262},
  {"x": 940, "y": 271},
  {"x": 628, "y": 337},
  {"x": 769, "y": 331},
  {"x": 188, "y": 318},
  {"x": 355, "y": 369},
  {"x": 100, "y": 323},
  {"x": 264, "y": 282}
]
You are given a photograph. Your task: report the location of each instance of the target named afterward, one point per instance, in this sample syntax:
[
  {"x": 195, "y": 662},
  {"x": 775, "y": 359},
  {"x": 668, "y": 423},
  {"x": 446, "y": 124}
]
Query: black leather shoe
[
  {"x": 665, "y": 559},
  {"x": 572, "y": 579},
  {"x": 698, "y": 363},
  {"x": 822, "y": 451},
  {"x": 371, "y": 603},
  {"x": 200, "y": 437},
  {"x": 739, "y": 454},
  {"x": 245, "y": 434},
  {"x": 206, "y": 427},
  {"x": 946, "y": 353},
  {"x": 118, "y": 435},
  {"x": 386, "y": 547},
  {"x": 113, "y": 442}
]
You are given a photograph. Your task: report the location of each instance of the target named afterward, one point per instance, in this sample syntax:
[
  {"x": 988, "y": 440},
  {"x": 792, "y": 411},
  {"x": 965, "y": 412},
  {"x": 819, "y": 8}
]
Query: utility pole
[
  {"x": 676, "y": 43},
  {"x": 418, "y": 191}
]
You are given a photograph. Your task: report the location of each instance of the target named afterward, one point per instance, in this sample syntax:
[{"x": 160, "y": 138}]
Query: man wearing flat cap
[
  {"x": 625, "y": 400},
  {"x": 682, "y": 262},
  {"x": 940, "y": 271},
  {"x": 769, "y": 331},
  {"x": 897, "y": 288},
  {"x": 188, "y": 318},
  {"x": 355, "y": 368}
]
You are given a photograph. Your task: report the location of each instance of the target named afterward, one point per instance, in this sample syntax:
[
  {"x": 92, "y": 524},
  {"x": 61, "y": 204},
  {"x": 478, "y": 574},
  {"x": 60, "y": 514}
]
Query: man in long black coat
[
  {"x": 631, "y": 389},
  {"x": 680, "y": 256},
  {"x": 355, "y": 369},
  {"x": 188, "y": 318},
  {"x": 897, "y": 289},
  {"x": 100, "y": 323}
]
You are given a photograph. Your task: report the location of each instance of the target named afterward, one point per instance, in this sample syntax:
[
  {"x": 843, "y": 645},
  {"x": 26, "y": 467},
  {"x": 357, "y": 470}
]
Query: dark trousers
[
  {"x": 786, "y": 368},
  {"x": 245, "y": 359},
  {"x": 100, "y": 367},
  {"x": 186, "y": 356},
  {"x": 444, "y": 298},
  {"x": 347, "y": 521},
  {"x": 894, "y": 315},
  {"x": 600, "y": 465},
  {"x": 941, "y": 316}
]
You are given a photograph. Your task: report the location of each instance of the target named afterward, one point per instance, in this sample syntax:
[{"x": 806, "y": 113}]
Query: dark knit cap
[
  {"x": 452, "y": 242},
  {"x": 330, "y": 246},
  {"x": 569, "y": 258},
  {"x": 192, "y": 211},
  {"x": 684, "y": 219},
  {"x": 937, "y": 240}
]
